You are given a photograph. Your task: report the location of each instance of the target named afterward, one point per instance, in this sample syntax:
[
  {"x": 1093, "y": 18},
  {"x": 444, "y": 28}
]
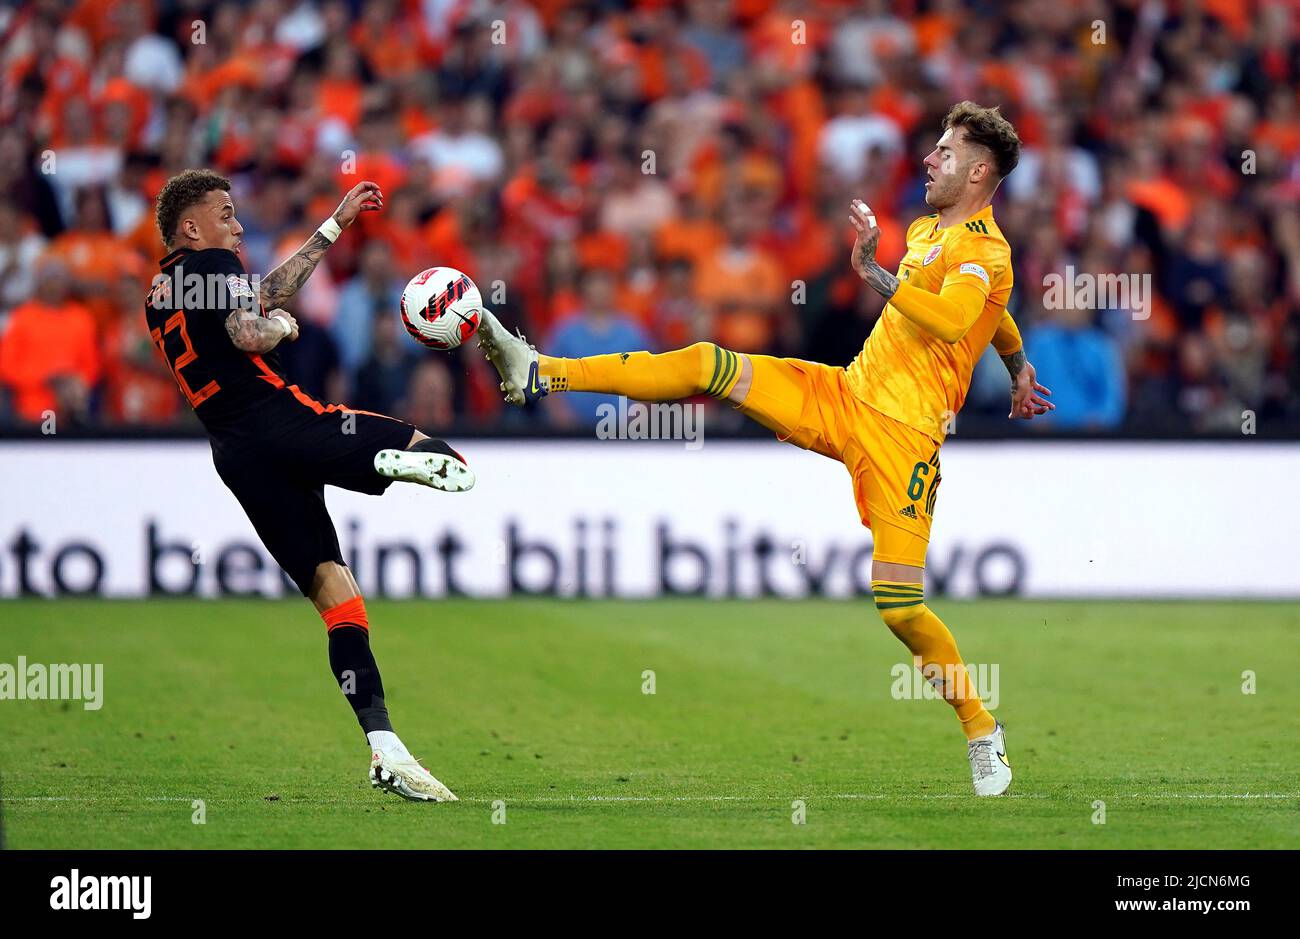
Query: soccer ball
[{"x": 441, "y": 308}]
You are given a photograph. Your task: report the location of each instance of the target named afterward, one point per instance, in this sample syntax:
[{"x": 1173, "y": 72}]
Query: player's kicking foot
[
  {"x": 444, "y": 471},
  {"x": 990, "y": 771},
  {"x": 404, "y": 776},
  {"x": 514, "y": 359}
]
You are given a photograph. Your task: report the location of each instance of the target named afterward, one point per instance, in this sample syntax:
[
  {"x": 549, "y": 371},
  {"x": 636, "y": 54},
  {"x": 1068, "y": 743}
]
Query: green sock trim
[
  {"x": 717, "y": 368},
  {"x": 725, "y": 366},
  {"x": 733, "y": 373}
]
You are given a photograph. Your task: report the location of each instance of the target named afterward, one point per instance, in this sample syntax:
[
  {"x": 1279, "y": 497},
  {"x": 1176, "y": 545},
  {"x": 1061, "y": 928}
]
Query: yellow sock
[
  {"x": 703, "y": 368},
  {"x": 902, "y": 607}
]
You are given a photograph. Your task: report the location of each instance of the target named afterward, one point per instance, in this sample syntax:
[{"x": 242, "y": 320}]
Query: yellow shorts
[{"x": 895, "y": 468}]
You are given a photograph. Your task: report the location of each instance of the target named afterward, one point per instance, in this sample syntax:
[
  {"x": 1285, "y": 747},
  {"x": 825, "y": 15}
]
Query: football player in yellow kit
[{"x": 885, "y": 416}]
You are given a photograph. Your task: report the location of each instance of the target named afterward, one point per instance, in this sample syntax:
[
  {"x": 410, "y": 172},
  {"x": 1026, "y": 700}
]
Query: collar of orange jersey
[{"x": 174, "y": 257}]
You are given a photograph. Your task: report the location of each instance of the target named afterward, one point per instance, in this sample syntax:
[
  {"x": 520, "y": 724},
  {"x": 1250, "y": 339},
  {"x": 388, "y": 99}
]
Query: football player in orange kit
[{"x": 885, "y": 415}]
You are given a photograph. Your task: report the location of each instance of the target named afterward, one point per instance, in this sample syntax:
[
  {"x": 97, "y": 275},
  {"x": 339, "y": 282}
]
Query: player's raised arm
[
  {"x": 283, "y": 282},
  {"x": 947, "y": 315},
  {"x": 1026, "y": 392}
]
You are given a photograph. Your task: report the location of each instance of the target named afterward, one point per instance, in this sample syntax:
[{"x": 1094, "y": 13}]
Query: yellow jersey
[{"x": 902, "y": 370}]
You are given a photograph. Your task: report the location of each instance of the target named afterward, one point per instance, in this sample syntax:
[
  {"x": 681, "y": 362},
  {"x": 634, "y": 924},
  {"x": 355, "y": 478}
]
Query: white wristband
[
  {"x": 330, "y": 230},
  {"x": 286, "y": 329}
]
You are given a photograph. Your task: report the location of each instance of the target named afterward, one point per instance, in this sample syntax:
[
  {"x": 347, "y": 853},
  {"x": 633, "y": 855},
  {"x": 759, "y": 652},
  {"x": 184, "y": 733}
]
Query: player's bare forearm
[
  {"x": 1015, "y": 363},
  {"x": 878, "y": 279},
  {"x": 283, "y": 282},
  {"x": 251, "y": 332}
]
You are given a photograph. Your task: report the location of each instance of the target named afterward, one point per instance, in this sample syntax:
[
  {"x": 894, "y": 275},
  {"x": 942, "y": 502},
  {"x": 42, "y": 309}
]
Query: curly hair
[
  {"x": 182, "y": 191},
  {"x": 988, "y": 128}
]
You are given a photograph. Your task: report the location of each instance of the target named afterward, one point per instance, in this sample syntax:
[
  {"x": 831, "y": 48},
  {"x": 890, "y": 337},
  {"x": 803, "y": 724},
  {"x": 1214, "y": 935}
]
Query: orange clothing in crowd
[
  {"x": 381, "y": 168},
  {"x": 42, "y": 343},
  {"x": 1164, "y": 199},
  {"x": 690, "y": 239},
  {"x": 203, "y": 86},
  {"x": 744, "y": 289},
  {"x": 96, "y": 259},
  {"x": 602, "y": 249},
  {"x": 442, "y": 237},
  {"x": 340, "y": 98},
  {"x": 654, "y": 70},
  {"x": 89, "y": 255},
  {"x": 394, "y": 52},
  {"x": 136, "y": 392}
]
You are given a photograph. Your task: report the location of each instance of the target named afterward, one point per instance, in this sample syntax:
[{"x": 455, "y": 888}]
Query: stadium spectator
[
  {"x": 700, "y": 153},
  {"x": 139, "y": 389},
  {"x": 1090, "y": 391},
  {"x": 596, "y": 328},
  {"x": 743, "y": 286},
  {"x": 849, "y": 137},
  {"x": 430, "y": 399},
  {"x": 49, "y": 354},
  {"x": 382, "y": 380},
  {"x": 373, "y": 294},
  {"x": 21, "y": 246}
]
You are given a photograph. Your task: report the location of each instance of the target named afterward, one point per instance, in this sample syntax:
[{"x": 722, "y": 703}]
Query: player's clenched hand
[
  {"x": 288, "y": 318},
  {"x": 1027, "y": 395},
  {"x": 365, "y": 196}
]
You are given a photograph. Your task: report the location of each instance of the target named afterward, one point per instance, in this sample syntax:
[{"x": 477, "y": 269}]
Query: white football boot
[
  {"x": 989, "y": 769},
  {"x": 514, "y": 359},
  {"x": 437, "y": 470},
  {"x": 404, "y": 776}
]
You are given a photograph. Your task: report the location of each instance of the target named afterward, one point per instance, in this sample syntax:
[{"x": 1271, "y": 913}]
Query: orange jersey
[{"x": 910, "y": 375}]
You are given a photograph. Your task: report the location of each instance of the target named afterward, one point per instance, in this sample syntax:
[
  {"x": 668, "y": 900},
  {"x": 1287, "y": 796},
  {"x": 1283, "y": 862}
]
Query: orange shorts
[{"x": 895, "y": 468}]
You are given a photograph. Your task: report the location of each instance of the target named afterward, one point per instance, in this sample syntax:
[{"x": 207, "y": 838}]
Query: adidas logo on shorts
[{"x": 908, "y": 512}]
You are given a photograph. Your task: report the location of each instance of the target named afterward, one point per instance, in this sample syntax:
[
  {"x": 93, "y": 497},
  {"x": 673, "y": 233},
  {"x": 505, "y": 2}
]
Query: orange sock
[
  {"x": 703, "y": 368},
  {"x": 902, "y": 607},
  {"x": 348, "y": 613}
]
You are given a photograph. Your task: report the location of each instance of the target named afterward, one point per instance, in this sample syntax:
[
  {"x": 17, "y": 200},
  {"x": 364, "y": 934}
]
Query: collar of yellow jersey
[{"x": 984, "y": 213}]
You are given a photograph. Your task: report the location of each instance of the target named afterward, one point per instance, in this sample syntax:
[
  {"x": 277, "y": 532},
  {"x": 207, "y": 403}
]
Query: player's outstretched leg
[
  {"x": 392, "y": 768},
  {"x": 901, "y": 605},
  {"x": 429, "y": 462},
  {"x": 703, "y": 368}
]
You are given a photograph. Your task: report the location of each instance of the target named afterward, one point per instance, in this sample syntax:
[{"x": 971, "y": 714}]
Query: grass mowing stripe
[{"x": 541, "y": 704}]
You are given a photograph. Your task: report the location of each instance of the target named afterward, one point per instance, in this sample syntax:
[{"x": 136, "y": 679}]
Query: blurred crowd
[{"x": 649, "y": 173}]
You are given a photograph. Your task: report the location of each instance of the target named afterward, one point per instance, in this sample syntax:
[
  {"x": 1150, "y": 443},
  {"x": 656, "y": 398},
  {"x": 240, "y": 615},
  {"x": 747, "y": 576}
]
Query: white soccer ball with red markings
[{"x": 441, "y": 308}]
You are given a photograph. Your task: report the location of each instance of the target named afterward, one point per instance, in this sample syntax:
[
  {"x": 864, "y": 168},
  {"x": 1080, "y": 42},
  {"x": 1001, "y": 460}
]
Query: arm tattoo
[
  {"x": 283, "y": 282},
  {"x": 251, "y": 332},
  {"x": 880, "y": 280},
  {"x": 1014, "y": 363},
  {"x": 877, "y": 278}
]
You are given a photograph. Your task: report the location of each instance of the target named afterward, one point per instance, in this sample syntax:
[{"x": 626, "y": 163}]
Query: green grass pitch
[{"x": 535, "y": 709}]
